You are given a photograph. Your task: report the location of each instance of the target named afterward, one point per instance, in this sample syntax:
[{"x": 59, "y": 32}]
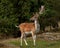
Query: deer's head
[{"x": 35, "y": 16}]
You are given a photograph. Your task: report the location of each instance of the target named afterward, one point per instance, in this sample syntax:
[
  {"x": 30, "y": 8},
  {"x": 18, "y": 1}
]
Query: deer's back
[{"x": 26, "y": 27}]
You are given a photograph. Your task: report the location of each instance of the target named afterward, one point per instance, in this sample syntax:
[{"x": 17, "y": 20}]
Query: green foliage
[{"x": 7, "y": 17}]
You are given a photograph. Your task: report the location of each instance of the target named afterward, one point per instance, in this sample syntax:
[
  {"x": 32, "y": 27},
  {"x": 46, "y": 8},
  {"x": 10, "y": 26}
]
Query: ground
[{"x": 40, "y": 43}]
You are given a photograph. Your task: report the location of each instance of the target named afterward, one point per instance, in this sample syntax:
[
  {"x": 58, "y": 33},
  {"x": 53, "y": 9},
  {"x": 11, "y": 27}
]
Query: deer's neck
[{"x": 35, "y": 24}]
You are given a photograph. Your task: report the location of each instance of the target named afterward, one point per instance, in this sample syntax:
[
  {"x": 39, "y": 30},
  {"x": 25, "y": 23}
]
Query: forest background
[{"x": 14, "y": 12}]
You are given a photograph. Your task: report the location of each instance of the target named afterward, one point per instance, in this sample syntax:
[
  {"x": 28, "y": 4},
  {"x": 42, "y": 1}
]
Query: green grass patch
[{"x": 39, "y": 44}]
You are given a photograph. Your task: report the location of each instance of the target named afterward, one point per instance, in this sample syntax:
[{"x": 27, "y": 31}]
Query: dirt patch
[
  {"x": 3, "y": 46},
  {"x": 7, "y": 46}
]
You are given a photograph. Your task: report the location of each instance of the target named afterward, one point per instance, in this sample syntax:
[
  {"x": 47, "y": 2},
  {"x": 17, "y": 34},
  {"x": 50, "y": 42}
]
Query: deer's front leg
[{"x": 34, "y": 38}]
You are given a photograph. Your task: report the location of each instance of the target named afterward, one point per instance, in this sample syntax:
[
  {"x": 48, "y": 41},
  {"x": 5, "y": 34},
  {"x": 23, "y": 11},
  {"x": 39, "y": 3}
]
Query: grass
[{"x": 39, "y": 44}]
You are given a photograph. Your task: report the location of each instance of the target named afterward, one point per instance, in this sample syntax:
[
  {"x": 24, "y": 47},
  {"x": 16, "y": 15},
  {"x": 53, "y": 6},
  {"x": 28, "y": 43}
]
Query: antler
[
  {"x": 41, "y": 9},
  {"x": 36, "y": 15}
]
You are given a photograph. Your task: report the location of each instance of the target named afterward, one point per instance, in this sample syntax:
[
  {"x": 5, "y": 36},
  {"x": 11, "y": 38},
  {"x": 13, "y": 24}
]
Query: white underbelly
[{"x": 28, "y": 32}]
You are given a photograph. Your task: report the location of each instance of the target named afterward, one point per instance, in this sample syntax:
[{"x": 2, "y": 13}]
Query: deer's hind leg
[
  {"x": 25, "y": 39},
  {"x": 21, "y": 39}
]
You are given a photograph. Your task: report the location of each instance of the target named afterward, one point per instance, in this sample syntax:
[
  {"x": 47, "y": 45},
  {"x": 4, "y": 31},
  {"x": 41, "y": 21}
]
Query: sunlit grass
[{"x": 39, "y": 44}]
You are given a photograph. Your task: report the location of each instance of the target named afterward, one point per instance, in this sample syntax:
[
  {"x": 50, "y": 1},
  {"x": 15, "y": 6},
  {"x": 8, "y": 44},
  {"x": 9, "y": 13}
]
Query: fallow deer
[{"x": 26, "y": 28}]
